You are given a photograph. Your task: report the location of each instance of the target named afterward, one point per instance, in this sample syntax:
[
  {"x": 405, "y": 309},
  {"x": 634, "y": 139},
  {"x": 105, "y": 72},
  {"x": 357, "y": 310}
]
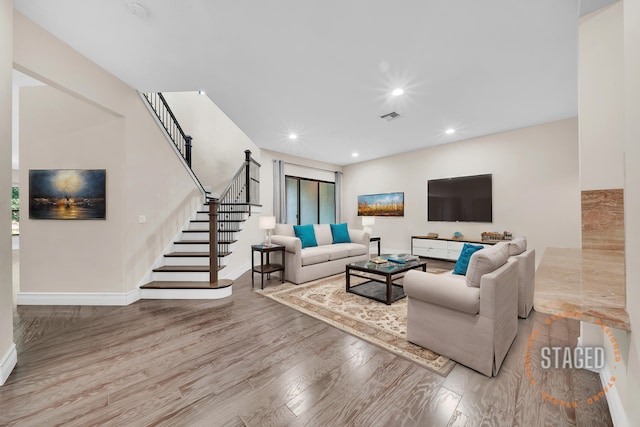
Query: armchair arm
[
  {"x": 442, "y": 290},
  {"x": 291, "y": 244}
]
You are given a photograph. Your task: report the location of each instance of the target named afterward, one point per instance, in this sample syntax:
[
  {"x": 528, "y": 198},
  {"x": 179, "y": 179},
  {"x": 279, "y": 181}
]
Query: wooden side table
[
  {"x": 265, "y": 266},
  {"x": 375, "y": 239}
]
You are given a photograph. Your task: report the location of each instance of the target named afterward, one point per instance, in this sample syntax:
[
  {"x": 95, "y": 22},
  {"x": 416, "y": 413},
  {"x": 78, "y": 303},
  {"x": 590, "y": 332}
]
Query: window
[
  {"x": 15, "y": 211},
  {"x": 310, "y": 201}
]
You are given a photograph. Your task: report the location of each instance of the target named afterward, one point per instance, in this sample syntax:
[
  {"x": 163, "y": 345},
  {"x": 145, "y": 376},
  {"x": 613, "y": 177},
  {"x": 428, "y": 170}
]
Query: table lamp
[
  {"x": 367, "y": 224},
  {"x": 267, "y": 223}
]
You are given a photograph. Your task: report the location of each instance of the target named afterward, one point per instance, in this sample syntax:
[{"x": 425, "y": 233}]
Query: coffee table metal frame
[{"x": 388, "y": 270}]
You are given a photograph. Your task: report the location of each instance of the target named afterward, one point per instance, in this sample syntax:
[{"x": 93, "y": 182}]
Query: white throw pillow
[
  {"x": 485, "y": 261},
  {"x": 517, "y": 246}
]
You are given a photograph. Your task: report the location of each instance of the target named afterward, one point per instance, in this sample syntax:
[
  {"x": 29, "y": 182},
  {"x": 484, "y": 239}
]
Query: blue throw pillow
[
  {"x": 340, "y": 233},
  {"x": 306, "y": 234},
  {"x": 463, "y": 260}
]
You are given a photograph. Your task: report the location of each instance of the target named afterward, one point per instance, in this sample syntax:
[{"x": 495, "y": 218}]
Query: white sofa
[{"x": 326, "y": 259}]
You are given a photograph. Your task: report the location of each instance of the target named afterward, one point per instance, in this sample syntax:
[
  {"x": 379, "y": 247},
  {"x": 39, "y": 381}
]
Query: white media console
[{"x": 441, "y": 248}]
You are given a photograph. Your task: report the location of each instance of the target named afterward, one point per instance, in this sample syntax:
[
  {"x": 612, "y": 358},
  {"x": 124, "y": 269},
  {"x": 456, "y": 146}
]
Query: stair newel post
[
  {"x": 247, "y": 175},
  {"x": 213, "y": 240},
  {"x": 187, "y": 149}
]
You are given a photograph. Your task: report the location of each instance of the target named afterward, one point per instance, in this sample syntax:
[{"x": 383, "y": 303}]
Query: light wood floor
[{"x": 249, "y": 361}]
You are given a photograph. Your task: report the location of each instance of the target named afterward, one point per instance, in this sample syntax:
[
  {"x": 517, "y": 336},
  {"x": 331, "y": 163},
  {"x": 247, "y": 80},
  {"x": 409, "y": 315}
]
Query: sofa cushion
[
  {"x": 284, "y": 230},
  {"x": 337, "y": 251},
  {"x": 323, "y": 234},
  {"x": 485, "y": 261},
  {"x": 306, "y": 235},
  {"x": 314, "y": 255},
  {"x": 340, "y": 233},
  {"x": 517, "y": 246},
  {"x": 355, "y": 249},
  {"x": 465, "y": 255}
]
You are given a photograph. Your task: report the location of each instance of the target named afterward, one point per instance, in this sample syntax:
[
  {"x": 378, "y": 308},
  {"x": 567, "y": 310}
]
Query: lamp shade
[
  {"x": 267, "y": 222},
  {"x": 368, "y": 221}
]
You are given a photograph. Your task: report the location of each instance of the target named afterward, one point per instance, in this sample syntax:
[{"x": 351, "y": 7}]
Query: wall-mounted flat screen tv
[{"x": 466, "y": 198}]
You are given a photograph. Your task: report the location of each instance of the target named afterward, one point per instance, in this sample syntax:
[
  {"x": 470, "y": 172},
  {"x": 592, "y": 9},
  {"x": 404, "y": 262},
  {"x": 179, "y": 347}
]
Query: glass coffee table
[{"x": 383, "y": 289}]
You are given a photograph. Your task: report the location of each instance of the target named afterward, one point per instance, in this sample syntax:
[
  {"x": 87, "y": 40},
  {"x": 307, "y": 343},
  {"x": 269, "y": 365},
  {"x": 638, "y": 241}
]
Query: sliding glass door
[{"x": 310, "y": 201}]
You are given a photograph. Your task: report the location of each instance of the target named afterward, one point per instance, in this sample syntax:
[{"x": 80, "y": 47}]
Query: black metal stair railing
[
  {"x": 180, "y": 139},
  {"x": 229, "y": 210}
]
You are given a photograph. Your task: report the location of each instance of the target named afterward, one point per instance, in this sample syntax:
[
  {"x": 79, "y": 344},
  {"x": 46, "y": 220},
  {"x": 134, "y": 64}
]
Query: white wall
[
  {"x": 536, "y": 189},
  {"x": 152, "y": 180},
  {"x": 6, "y": 299},
  {"x": 609, "y": 83},
  {"x": 631, "y": 394},
  {"x": 218, "y": 144},
  {"x": 63, "y": 132},
  {"x": 601, "y": 99}
]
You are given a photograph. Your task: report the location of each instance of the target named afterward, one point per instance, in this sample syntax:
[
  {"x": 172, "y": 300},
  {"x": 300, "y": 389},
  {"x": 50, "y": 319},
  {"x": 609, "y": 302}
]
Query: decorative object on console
[
  {"x": 492, "y": 235},
  {"x": 432, "y": 236},
  {"x": 267, "y": 223},
  {"x": 387, "y": 204},
  {"x": 457, "y": 235},
  {"x": 367, "y": 224}
]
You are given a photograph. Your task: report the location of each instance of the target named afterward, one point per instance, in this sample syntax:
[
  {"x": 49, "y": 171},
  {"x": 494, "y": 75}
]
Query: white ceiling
[{"x": 325, "y": 69}]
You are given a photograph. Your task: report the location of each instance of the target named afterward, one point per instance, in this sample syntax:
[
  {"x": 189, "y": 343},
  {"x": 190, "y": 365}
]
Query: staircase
[{"x": 190, "y": 267}]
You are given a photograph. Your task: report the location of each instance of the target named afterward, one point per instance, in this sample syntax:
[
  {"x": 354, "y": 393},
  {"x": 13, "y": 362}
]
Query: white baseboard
[
  {"x": 7, "y": 363},
  {"x": 616, "y": 408},
  {"x": 233, "y": 275},
  {"x": 78, "y": 298}
]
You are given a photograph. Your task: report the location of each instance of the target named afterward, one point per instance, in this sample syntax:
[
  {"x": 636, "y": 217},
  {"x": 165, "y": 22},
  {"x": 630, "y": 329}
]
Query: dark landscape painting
[
  {"x": 67, "y": 194},
  {"x": 388, "y": 204}
]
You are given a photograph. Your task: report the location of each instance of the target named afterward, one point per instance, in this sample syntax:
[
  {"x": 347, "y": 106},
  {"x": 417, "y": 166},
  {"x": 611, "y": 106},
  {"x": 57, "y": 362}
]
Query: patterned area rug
[{"x": 378, "y": 323}]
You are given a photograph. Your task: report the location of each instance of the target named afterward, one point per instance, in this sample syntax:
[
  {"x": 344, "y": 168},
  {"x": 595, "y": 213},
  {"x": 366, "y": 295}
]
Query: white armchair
[{"x": 474, "y": 326}]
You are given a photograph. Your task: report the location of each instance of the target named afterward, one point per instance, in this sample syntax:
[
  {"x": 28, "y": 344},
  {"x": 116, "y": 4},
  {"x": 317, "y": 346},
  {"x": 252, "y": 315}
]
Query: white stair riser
[
  {"x": 191, "y": 247},
  {"x": 195, "y": 236},
  {"x": 204, "y": 226},
  {"x": 172, "y": 260},
  {"x": 180, "y": 276}
]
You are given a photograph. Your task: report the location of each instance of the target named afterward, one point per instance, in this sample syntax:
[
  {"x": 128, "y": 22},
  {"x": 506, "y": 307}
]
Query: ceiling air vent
[{"x": 391, "y": 116}]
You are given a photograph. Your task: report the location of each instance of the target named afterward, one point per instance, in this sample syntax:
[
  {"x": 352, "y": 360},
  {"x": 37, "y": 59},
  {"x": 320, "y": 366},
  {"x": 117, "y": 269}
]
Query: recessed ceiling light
[
  {"x": 450, "y": 131},
  {"x": 397, "y": 92},
  {"x": 354, "y": 154},
  {"x": 293, "y": 136},
  {"x": 201, "y": 92}
]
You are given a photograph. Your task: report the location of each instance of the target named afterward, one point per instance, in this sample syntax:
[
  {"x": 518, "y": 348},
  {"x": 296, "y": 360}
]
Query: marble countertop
[{"x": 586, "y": 284}]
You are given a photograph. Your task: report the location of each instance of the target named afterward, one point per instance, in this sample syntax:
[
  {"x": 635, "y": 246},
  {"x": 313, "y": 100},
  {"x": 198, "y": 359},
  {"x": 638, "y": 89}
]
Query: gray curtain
[
  {"x": 279, "y": 198},
  {"x": 338, "y": 193}
]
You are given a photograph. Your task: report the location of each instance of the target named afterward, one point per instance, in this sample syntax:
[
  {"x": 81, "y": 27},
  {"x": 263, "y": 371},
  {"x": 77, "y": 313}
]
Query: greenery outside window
[{"x": 15, "y": 211}]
